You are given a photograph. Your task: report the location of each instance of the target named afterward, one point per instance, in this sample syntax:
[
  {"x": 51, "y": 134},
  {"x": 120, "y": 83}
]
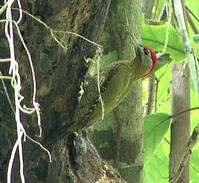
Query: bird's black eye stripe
[{"x": 146, "y": 51}]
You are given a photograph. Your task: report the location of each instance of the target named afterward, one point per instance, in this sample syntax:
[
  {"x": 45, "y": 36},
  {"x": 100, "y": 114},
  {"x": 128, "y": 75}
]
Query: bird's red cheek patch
[{"x": 154, "y": 58}]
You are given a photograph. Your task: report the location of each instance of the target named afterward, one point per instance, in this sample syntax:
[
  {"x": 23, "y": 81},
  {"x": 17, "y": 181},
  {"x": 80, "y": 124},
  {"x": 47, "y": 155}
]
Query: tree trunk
[
  {"x": 180, "y": 128},
  {"x": 59, "y": 74},
  {"x": 119, "y": 137}
]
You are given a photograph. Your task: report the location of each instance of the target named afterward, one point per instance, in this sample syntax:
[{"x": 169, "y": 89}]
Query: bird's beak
[{"x": 134, "y": 41}]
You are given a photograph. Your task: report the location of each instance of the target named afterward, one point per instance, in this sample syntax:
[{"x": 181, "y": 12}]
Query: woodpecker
[{"x": 115, "y": 80}]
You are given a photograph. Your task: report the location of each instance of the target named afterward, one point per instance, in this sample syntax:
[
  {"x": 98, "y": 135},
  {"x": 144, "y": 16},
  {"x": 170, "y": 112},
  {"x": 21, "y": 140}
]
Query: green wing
[{"x": 85, "y": 113}]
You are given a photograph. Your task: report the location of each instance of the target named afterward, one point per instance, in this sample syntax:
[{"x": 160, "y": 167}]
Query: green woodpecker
[{"x": 115, "y": 80}]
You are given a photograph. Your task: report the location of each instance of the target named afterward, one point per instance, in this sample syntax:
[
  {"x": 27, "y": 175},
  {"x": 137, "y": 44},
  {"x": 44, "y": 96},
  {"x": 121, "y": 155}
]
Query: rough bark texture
[
  {"x": 180, "y": 127},
  {"x": 59, "y": 74},
  {"x": 118, "y": 137}
]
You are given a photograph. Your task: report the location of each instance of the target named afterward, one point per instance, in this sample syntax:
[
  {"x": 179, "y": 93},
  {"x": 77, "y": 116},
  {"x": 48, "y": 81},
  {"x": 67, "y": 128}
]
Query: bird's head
[{"x": 145, "y": 59}]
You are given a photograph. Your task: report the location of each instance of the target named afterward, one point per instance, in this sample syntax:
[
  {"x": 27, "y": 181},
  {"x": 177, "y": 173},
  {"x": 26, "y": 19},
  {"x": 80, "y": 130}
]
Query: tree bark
[
  {"x": 59, "y": 75},
  {"x": 119, "y": 137},
  {"x": 180, "y": 128}
]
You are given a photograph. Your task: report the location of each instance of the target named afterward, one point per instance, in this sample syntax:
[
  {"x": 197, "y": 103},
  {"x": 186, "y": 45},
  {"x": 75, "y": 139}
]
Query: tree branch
[{"x": 192, "y": 141}]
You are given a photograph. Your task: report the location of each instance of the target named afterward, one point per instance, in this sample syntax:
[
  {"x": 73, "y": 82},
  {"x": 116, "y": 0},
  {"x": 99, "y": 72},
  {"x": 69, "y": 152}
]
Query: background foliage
[{"x": 157, "y": 164}]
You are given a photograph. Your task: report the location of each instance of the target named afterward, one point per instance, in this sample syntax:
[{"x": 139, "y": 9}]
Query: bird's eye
[{"x": 146, "y": 51}]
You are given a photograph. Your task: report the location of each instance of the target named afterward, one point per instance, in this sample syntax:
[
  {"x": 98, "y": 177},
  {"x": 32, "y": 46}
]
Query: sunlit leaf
[
  {"x": 155, "y": 127},
  {"x": 158, "y": 169},
  {"x": 154, "y": 36}
]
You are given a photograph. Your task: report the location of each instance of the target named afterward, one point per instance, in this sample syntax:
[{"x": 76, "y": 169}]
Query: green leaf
[
  {"x": 157, "y": 170},
  {"x": 155, "y": 127},
  {"x": 154, "y": 36}
]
